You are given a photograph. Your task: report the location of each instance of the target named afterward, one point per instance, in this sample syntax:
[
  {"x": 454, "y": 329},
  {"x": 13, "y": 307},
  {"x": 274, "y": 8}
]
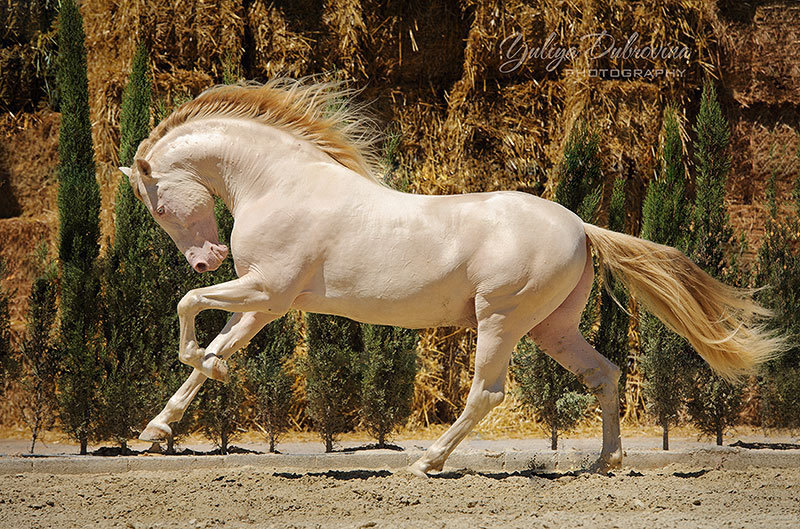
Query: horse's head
[{"x": 184, "y": 208}]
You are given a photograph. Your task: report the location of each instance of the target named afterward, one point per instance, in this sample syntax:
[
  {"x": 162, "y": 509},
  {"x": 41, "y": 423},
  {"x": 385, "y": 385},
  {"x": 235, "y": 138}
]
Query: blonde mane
[{"x": 320, "y": 112}]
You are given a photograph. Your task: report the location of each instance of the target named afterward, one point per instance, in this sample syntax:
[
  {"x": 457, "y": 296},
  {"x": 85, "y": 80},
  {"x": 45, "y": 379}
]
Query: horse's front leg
[
  {"x": 239, "y": 330},
  {"x": 240, "y": 295}
]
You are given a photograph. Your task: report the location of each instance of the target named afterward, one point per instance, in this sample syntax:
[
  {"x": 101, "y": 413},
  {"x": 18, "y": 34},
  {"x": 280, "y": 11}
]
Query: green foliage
[
  {"x": 79, "y": 207},
  {"x": 580, "y": 174},
  {"x": 554, "y": 395},
  {"x": 231, "y": 68},
  {"x": 220, "y": 413},
  {"x": 28, "y": 43},
  {"x": 666, "y": 211},
  {"x": 135, "y": 111},
  {"x": 664, "y": 363},
  {"x": 714, "y": 404},
  {"x": 387, "y": 386},
  {"x": 711, "y": 232},
  {"x": 268, "y": 378},
  {"x": 665, "y": 218},
  {"x": 778, "y": 269},
  {"x": 218, "y": 417},
  {"x": 611, "y": 339},
  {"x": 6, "y": 359},
  {"x": 332, "y": 370},
  {"x": 579, "y": 189},
  {"x": 38, "y": 354},
  {"x": 133, "y": 324},
  {"x": 165, "y": 278},
  {"x": 395, "y": 175}
]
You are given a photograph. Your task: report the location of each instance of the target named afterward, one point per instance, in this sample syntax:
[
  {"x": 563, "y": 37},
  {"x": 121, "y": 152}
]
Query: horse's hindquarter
[{"x": 420, "y": 261}]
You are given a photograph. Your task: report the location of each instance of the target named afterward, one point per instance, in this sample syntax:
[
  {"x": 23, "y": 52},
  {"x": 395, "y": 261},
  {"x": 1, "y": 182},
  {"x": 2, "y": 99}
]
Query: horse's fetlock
[{"x": 184, "y": 357}]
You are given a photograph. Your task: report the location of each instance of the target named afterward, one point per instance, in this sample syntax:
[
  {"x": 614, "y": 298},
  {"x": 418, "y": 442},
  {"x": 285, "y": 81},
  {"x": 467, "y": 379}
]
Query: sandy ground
[{"x": 250, "y": 497}]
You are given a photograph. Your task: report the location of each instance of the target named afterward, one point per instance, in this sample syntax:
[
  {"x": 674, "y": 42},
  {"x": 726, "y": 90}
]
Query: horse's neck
[{"x": 241, "y": 161}]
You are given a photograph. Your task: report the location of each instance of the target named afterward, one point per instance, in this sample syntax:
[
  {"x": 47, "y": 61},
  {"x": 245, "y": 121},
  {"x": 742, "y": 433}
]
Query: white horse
[{"x": 316, "y": 231}]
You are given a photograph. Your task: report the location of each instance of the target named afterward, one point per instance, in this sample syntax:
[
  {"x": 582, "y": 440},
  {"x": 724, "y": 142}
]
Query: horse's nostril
[{"x": 201, "y": 267}]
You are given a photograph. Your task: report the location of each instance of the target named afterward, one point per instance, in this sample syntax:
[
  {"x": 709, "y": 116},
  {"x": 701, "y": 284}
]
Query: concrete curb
[{"x": 475, "y": 460}]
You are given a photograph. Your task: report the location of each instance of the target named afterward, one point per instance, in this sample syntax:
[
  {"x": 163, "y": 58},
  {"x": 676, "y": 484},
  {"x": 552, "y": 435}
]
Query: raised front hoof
[
  {"x": 155, "y": 432},
  {"x": 606, "y": 463},
  {"x": 420, "y": 468},
  {"x": 216, "y": 368}
]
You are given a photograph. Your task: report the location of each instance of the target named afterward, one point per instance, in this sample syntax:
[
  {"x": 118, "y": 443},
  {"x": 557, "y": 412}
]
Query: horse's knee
[{"x": 187, "y": 303}]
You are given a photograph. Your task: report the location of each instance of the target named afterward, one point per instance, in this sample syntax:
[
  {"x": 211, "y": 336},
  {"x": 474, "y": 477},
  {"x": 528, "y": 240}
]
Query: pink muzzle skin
[{"x": 207, "y": 258}]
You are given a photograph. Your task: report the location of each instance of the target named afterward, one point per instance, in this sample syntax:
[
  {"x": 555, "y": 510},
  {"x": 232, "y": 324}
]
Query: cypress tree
[
  {"x": 220, "y": 412},
  {"x": 778, "y": 268},
  {"x": 387, "y": 387},
  {"x": 5, "y": 327},
  {"x": 580, "y": 189},
  {"x": 549, "y": 392},
  {"x": 711, "y": 232},
  {"x": 332, "y": 374},
  {"x": 580, "y": 174},
  {"x": 665, "y": 219},
  {"x": 268, "y": 378},
  {"x": 129, "y": 282},
  {"x": 38, "y": 354},
  {"x": 173, "y": 278},
  {"x": 714, "y": 403},
  {"x": 78, "y": 207},
  {"x": 556, "y": 395}
]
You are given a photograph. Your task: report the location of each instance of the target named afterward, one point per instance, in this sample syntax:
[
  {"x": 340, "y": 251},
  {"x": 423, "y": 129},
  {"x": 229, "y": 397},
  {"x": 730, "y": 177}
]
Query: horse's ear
[
  {"x": 126, "y": 171},
  {"x": 144, "y": 169}
]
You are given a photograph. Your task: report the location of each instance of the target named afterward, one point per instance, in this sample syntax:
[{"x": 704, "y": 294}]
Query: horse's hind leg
[
  {"x": 495, "y": 343},
  {"x": 558, "y": 336}
]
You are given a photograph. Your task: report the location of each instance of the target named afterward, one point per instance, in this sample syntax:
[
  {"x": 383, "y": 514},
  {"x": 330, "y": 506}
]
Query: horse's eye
[{"x": 160, "y": 210}]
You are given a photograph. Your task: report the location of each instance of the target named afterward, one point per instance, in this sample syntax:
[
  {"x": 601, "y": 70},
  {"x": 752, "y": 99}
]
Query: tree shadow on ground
[
  {"x": 372, "y": 446},
  {"x": 115, "y": 451},
  {"x": 766, "y": 446},
  {"x": 336, "y": 474}
]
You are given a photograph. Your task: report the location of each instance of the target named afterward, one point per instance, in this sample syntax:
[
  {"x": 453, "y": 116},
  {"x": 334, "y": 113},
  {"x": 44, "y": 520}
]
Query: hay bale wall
[{"x": 433, "y": 71}]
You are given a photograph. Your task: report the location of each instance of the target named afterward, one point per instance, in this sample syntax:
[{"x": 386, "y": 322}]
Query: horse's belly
[{"x": 432, "y": 307}]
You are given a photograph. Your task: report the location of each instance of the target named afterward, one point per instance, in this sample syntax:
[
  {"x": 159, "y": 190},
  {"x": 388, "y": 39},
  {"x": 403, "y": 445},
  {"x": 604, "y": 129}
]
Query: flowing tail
[{"x": 721, "y": 322}]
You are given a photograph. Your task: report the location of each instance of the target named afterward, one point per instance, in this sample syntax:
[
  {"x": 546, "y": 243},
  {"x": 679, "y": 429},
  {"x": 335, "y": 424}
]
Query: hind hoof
[
  {"x": 421, "y": 467},
  {"x": 155, "y": 432}
]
